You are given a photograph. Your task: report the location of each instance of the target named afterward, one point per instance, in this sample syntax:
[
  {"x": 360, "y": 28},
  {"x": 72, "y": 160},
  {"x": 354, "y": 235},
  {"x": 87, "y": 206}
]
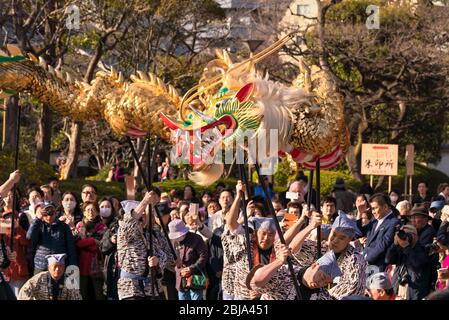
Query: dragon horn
[
  {"x": 304, "y": 69},
  {"x": 206, "y": 85},
  {"x": 203, "y": 116}
]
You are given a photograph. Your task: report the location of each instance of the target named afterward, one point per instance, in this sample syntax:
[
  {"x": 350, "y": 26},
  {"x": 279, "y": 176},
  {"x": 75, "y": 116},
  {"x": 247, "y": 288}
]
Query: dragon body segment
[{"x": 129, "y": 107}]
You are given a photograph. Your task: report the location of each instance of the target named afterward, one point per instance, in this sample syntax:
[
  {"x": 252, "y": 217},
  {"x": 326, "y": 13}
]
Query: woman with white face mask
[
  {"x": 107, "y": 212},
  {"x": 71, "y": 212},
  {"x": 394, "y": 197},
  {"x": 108, "y": 247}
]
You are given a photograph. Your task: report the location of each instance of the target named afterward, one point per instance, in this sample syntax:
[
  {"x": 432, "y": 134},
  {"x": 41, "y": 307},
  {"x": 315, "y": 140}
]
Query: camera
[
  {"x": 49, "y": 212},
  {"x": 404, "y": 279},
  {"x": 433, "y": 248},
  {"x": 403, "y": 235}
]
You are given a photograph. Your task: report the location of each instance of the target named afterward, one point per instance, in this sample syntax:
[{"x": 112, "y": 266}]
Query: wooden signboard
[{"x": 379, "y": 159}]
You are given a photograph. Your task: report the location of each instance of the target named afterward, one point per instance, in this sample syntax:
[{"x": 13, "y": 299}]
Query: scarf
[{"x": 256, "y": 255}]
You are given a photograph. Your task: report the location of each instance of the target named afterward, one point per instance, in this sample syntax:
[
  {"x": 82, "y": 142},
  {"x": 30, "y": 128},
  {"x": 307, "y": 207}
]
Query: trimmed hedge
[
  {"x": 31, "y": 170},
  {"x": 102, "y": 175},
  {"x": 422, "y": 173},
  {"x": 328, "y": 177}
]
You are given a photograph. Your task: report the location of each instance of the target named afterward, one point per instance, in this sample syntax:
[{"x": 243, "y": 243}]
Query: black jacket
[
  {"x": 414, "y": 262},
  {"x": 50, "y": 239},
  {"x": 345, "y": 200},
  {"x": 443, "y": 233},
  {"x": 110, "y": 268},
  {"x": 417, "y": 199},
  {"x": 215, "y": 254}
]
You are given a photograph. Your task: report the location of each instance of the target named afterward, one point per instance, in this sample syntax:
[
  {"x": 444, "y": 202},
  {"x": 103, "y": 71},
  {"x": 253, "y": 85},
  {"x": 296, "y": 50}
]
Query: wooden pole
[
  {"x": 405, "y": 187},
  {"x": 410, "y": 187},
  {"x": 310, "y": 190},
  {"x": 150, "y": 222},
  {"x": 4, "y": 123},
  {"x": 318, "y": 208},
  {"x": 389, "y": 184},
  {"x": 14, "y": 189},
  {"x": 279, "y": 231}
]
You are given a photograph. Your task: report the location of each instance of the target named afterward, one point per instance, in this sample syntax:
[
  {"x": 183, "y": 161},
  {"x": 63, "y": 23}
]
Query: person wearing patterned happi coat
[
  {"x": 52, "y": 284},
  {"x": 136, "y": 281},
  {"x": 351, "y": 262},
  {"x": 275, "y": 283}
]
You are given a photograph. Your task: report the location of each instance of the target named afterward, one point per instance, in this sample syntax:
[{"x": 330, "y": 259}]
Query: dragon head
[
  {"x": 237, "y": 101},
  {"x": 228, "y": 116}
]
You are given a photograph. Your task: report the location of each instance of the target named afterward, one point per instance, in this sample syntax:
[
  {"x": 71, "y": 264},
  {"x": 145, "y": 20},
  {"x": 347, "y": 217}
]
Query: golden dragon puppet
[{"x": 229, "y": 99}]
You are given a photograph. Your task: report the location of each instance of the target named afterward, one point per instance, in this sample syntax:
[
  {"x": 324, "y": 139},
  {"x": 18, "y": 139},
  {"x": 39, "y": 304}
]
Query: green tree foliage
[
  {"x": 116, "y": 189},
  {"x": 394, "y": 77},
  {"x": 284, "y": 173}
]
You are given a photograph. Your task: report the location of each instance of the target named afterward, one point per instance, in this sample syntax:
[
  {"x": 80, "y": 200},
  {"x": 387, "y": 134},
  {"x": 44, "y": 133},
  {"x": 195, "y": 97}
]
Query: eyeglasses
[{"x": 89, "y": 192}]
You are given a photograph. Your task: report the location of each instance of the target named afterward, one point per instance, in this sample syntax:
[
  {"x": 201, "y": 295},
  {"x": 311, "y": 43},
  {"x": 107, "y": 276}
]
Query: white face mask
[
  {"x": 105, "y": 212},
  {"x": 69, "y": 204},
  {"x": 394, "y": 198}
]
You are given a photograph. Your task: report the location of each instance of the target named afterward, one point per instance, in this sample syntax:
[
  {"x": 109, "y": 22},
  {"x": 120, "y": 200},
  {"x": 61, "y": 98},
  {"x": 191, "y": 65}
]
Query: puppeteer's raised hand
[
  {"x": 153, "y": 261},
  {"x": 241, "y": 187},
  {"x": 250, "y": 208},
  {"x": 284, "y": 252},
  {"x": 151, "y": 198},
  {"x": 14, "y": 176},
  {"x": 12, "y": 256},
  {"x": 316, "y": 220}
]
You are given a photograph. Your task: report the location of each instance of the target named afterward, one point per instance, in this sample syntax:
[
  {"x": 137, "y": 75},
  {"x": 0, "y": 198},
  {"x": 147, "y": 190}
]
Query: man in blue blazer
[{"x": 379, "y": 232}]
